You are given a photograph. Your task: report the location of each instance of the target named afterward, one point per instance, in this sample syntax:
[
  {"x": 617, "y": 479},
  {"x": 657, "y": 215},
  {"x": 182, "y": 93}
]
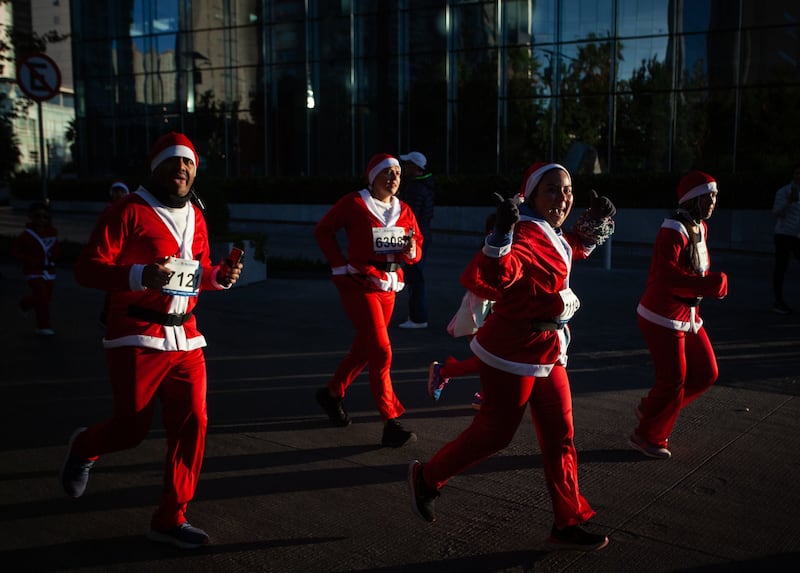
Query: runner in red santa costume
[
  {"x": 381, "y": 233},
  {"x": 37, "y": 248},
  {"x": 669, "y": 317},
  {"x": 522, "y": 347},
  {"x": 151, "y": 253}
]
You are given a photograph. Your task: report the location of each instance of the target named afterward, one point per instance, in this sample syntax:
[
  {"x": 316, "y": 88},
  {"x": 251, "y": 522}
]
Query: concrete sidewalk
[{"x": 281, "y": 491}]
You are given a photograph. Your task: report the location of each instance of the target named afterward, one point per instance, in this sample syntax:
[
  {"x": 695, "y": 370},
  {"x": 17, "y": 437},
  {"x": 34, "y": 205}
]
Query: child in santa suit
[
  {"x": 37, "y": 248},
  {"x": 151, "y": 253},
  {"x": 669, "y": 315},
  {"x": 382, "y": 232}
]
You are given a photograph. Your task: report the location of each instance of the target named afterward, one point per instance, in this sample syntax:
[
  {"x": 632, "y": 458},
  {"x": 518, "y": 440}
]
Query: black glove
[
  {"x": 507, "y": 215},
  {"x": 601, "y": 207}
]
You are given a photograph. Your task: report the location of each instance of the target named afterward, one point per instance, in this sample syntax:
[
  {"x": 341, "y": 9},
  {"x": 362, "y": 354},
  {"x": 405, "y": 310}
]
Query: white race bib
[
  {"x": 387, "y": 240},
  {"x": 185, "y": 279}
]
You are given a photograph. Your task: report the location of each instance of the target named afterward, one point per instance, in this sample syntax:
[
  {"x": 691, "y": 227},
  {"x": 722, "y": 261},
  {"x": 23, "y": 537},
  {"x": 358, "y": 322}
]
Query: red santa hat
[
  {"x": 534, "y": 174},
  {"x": 378, "y": 163},
  {"x": 694, "y": 184},
  {"x": 172, "y": 144}
]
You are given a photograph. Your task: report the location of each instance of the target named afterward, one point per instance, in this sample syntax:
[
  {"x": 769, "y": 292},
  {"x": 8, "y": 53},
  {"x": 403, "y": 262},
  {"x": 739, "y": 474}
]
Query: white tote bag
[{"x": 470, "y": 315}]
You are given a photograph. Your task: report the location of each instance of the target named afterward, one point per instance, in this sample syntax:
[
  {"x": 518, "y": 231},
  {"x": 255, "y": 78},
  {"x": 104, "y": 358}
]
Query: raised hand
[
  {"x": 507, "y": 214},
  {"x": 601, "y": 207}
]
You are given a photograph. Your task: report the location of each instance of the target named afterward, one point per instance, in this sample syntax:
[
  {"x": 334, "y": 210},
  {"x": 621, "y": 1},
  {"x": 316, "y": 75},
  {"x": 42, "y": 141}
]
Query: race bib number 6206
[
  {"x": 185, "y": 279},
  {"x": 388, "y": 239}
]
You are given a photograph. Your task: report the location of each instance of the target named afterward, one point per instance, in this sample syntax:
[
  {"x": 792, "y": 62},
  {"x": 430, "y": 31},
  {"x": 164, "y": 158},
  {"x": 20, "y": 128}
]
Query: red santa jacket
[
  {"x": 673, "y": 289},
  {"x": 472, "y": 280},
  {"x": 530, "y": 274},
  {"x": 37, "y": 252},
  {"x": 374, "y": 240},
  {"x": 137, "y": 231}
]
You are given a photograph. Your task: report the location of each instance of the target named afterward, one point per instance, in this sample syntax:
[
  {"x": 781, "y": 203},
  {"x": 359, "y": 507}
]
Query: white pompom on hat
[
  {"x": 378, "y": 163},
  {"x": 694, "y": 184},
  {"x": 534, "y": 174},
  {"x": 172, "y": 144}
]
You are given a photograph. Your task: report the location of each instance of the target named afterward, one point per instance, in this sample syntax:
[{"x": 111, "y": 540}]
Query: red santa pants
[
  {"x": 685, "y": 367},
  {"x": 505, "y": 397},
  {"x": 137, "y": 376},
  {"x": 39, "y": 300},
  {"x": 370, "y": 312},
  {"x": 453, "y": 368}
]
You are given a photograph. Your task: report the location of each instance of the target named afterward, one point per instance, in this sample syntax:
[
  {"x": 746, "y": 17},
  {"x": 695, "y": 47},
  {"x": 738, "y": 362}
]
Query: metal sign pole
[{"x": 42, "y": 163}]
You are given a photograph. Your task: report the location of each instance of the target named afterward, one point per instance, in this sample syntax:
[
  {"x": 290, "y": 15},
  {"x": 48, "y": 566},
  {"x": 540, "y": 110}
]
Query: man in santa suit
[{"x": 151, "y": 253}]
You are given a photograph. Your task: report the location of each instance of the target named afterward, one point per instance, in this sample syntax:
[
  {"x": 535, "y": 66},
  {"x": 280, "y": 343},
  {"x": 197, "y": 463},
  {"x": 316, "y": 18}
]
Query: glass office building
[{"x": 315, "y": 87}]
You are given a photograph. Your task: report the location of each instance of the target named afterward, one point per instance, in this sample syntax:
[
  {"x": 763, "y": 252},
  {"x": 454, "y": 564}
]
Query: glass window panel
[
  {"x": 643, "y": 17},
  {"x": 288, "y": 42},
  {"x": 693, "y": 58},
  {"x": 639, "y": 52},
  {"x": 525, "y": 73},
  {"x": 642, "y": 131},
  {"x": 544, "y": 22},
  {"x": 694, "y": 16},
  {"x": 771, "y": 55},
  {"x": 586, "y": 68},
  {"x": 517, "y": 21},
  {"x": 767, "y": 137},
  {"x": 421, "y": 4},
  {"x": 475, "y": 25},
  {"x": 154, "y": 17},
  {"x": 760, "y": 13},
  {"x": 582, "y": 120},
  {"x": 332, "y": 116},
  {"x": 704, "y": 130},
  {"x": 527, "y": 136},
  {"x": 476, "y": 120},
  {"x": 582, "y": 19}
]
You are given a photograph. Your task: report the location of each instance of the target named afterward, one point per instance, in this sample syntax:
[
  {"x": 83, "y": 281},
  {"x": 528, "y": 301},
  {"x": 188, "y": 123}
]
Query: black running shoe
[
  {"x": 575, "y": 537},
  {"x": 422, "y": 496},
  {"x": 185, "y": 536},
  {"x": 395, "y": 435},
  {"x": 333, "y": 407},
  {"x": 75, "y": 471}
]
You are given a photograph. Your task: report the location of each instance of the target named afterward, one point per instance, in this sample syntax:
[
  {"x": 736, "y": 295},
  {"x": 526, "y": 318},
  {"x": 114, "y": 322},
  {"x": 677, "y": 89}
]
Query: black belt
[
  {"x": 156, "y": 317},
  {"x": 692, "y": 301},
  {"x": 546, "y": 325},
  {"x": 387, "y": 266}
]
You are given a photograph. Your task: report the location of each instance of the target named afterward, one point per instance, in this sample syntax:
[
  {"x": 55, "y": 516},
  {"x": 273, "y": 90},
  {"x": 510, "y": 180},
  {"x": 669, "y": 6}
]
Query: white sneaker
[{"x": 411, "y": 324}]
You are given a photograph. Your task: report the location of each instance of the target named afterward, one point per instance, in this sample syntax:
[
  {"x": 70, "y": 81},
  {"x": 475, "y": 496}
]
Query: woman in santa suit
[
  {"x": 669, "y": 316},
  {"x": 522, "y": 348},
  {"x": 382, "y": 233}
]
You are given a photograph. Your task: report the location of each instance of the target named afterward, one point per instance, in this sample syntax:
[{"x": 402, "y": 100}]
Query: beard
[{"x": 169, "y": 197}]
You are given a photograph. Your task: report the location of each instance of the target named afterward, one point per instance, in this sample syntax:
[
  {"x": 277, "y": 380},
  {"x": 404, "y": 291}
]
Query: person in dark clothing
[{"x": 418, "y": 194}]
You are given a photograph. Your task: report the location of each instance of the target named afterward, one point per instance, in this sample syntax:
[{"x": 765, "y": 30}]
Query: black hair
[{"x": 685, "y": 215}]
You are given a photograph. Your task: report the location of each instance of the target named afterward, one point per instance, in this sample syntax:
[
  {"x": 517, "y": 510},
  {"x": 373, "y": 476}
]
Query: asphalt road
[{"x": 281, "y": 491}]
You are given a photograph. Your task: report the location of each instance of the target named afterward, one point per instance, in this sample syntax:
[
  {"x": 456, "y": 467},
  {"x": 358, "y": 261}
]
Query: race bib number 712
[{"x": 185, "y": 279}]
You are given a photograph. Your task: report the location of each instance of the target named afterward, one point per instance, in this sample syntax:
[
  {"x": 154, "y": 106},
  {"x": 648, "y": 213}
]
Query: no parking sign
[{"x": 38, "y": 77}]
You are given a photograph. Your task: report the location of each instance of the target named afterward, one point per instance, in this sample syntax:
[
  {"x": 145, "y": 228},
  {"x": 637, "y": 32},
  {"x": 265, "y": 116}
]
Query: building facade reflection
[{"x": 295, "y": 87}]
